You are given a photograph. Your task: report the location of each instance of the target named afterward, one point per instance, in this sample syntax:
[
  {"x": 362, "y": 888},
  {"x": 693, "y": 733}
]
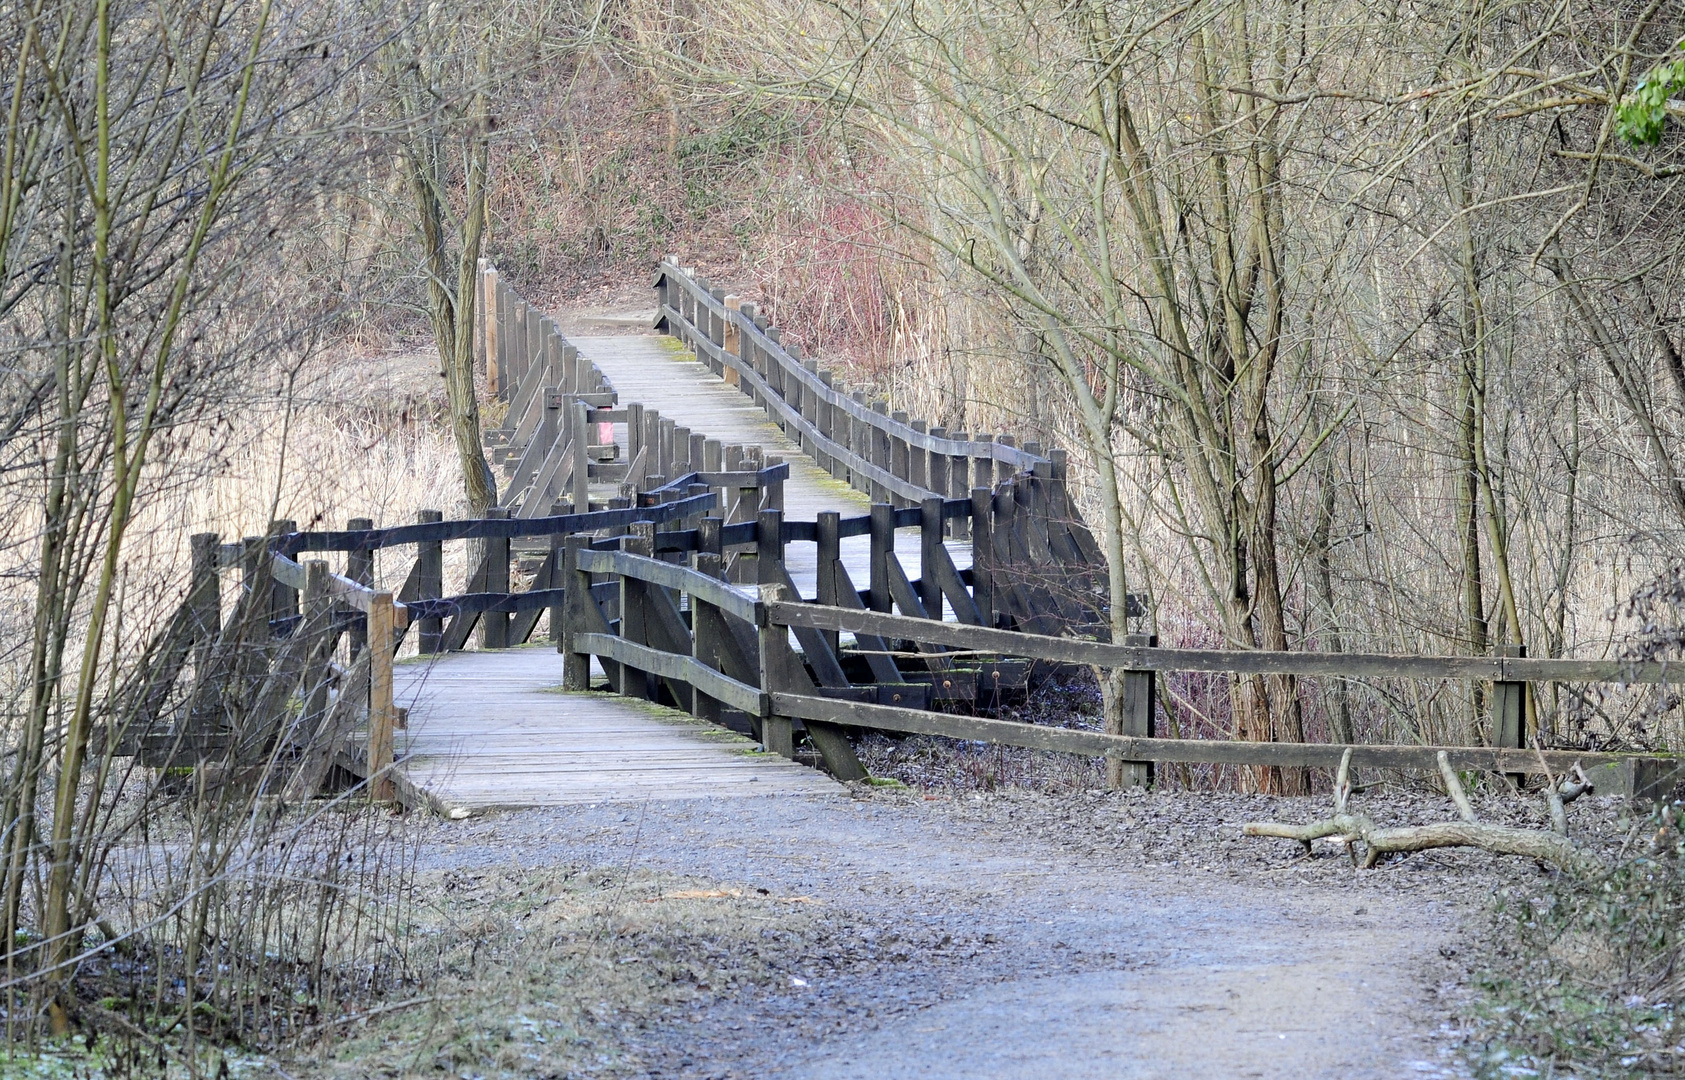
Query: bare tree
[
  {"x": 439, "y": 72},
  {"x": 149, "y": 153}
]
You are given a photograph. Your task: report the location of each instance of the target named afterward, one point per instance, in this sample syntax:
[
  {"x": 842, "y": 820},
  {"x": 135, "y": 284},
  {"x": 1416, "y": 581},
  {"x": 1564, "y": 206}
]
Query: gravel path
[{"x": 1018, "y": 935}]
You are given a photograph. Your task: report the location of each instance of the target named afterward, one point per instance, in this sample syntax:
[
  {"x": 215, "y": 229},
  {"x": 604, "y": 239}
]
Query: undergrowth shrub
[{"x": 1586, "y": 976}]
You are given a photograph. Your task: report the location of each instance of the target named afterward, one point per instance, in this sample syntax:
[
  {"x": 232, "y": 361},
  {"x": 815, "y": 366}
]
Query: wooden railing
[
  {"x": 691, "y": 641},
  {"x": 555, "y": 440},
  {"x": 678, "y": 585},
  {"x": 885, "y": 454},
  {"x": 1037, "y": 565}
]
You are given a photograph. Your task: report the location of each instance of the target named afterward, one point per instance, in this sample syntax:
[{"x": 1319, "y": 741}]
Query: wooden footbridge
[{"x": 724, "y": 537}]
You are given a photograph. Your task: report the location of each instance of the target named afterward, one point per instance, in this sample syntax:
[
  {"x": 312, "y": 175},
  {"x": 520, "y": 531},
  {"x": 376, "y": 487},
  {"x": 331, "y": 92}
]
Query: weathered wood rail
[
  {"x": 687, "y": 638},
  {"x": 667, "y": 568}
]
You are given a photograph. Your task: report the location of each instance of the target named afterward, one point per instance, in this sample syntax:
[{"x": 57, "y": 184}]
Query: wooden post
[
  {"x": 681, "y": 451},
  {"x": 982, "y": 554},
  {"x": 634, "y": 616},
  {"x": 650, "y": 442},
  {"x": 716, "y": 320},
  {"x": 1139, "y": 707},
  {"x": 778, "y": 733},
  {"x": 859, "y": 442},
  {"x": 1004, "y": 572},
  {"x": 517, "y": 345},
  {"x": 959, "y": 486},
  {"x": 900, "y": 456},
  {"x": 494, "y": 625},
  {"x": 500, "y": 340},
  {"x": 706, "y": 633},
  {"x": 204, "y": 598},
  {"x": 930, "y": 544},
  {"x": 383, "y": 715},
  {"x": 919, "y": 470},
  {"x": 708, "y": 542},
  {"x": 735, "y": 309},
  {"x": 878, "y": 452},
  {"x": 883, "y": 549},
  {"x": 532, "y": 355},
  {"x": 571, "y": 378},
  {"x": 254, "y": 571},
  {"x": 430, "y": 583},
  {"x": 829, "y": 529},
  {"x": 665, "y": 461},
  {"x": 773, "y": 493},
  {"x": 576, "y": 666},
  {"x": 283, "y": 599},
  {"x": 635, "y": 442},
  {"x": 550, "y": 422},
  {"x": 315, "y": 679},
  {"x": 359, "y": 567},
  {"x": 488, "y": 324},
  {"x": 581, "y": 458},
  {"x": 769, "y": 547},
  {"x": 1509, "y": 710},
  {"x": 825, "y": 420}
]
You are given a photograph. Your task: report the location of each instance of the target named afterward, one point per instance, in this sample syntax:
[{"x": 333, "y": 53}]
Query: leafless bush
[{"x": 159, "y": 161}]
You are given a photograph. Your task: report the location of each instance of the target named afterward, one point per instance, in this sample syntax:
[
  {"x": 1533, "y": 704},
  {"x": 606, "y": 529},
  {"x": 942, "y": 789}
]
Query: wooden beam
[
  {"x": 668, "y": 665},
  {"x": 1249, "y": 662},
  {"x": 1098, "y": 744},
  {"x": 719, "y": 593}
]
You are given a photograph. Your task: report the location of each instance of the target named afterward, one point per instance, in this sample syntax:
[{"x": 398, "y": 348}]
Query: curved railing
[{"x": 885, "y": 454}]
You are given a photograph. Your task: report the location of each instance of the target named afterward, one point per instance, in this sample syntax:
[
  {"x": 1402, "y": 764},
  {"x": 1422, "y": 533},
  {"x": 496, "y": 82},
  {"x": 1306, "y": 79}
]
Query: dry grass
[{"x": 547, "y": 971}]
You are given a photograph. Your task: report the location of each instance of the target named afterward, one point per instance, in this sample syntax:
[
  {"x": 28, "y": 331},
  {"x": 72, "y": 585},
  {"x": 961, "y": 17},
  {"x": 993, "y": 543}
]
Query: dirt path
[{"x": 1018, "y": 936}]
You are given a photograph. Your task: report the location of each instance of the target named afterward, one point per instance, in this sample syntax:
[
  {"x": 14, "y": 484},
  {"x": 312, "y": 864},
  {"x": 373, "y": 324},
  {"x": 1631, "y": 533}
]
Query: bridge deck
[
  {"x": 491, "y": 729},
  {"x": 662, "y": 374}
]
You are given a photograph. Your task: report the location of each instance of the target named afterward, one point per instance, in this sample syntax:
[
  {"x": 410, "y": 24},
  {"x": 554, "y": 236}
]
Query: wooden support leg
[
  {"x": 283, "y": 598},
  {"x": 778, "y": 736},
  {"x": 633, "y": 615},
  {"x": 204, "y": 598},
  {"x": 883, "y": 547},
  {"x": 576, "y": 666}
]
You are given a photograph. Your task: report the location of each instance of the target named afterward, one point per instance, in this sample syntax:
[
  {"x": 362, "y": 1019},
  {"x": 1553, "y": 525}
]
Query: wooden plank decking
[
  {"x": 662, "y": 374},
  {"x": 491, "y": 730}
]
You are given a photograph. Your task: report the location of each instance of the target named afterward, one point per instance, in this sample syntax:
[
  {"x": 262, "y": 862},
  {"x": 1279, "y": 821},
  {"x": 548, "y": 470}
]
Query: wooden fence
[{"x": 686, "y": 638}]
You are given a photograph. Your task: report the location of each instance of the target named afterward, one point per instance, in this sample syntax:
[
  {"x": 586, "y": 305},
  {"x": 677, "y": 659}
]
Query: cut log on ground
[{"x": 1553, "y": 847}]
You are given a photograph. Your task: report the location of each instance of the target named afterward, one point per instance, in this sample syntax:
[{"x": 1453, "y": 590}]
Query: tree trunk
[{"x": 452, "y": 311}]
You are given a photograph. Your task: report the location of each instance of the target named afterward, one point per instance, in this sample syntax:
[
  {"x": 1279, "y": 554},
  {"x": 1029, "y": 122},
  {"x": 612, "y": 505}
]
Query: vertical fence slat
[
  {"x": 383, "y": 715},
  {"x": 494, "y": 625},
  {"x": 430, "y": 583}
]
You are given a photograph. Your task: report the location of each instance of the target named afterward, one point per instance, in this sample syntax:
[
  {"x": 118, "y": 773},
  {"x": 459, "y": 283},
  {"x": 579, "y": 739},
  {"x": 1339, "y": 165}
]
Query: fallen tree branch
[{"x": 1551, "y": 847}]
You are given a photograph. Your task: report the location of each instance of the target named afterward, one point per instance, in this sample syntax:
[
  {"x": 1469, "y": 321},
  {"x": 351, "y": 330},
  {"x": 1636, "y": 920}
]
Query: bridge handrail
[
  {"x": 490, "y": 528},
  {"x": 711, "y": 590},
  {"x": 671, "y": 272},
  {"x": 776, "y": 403}
]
